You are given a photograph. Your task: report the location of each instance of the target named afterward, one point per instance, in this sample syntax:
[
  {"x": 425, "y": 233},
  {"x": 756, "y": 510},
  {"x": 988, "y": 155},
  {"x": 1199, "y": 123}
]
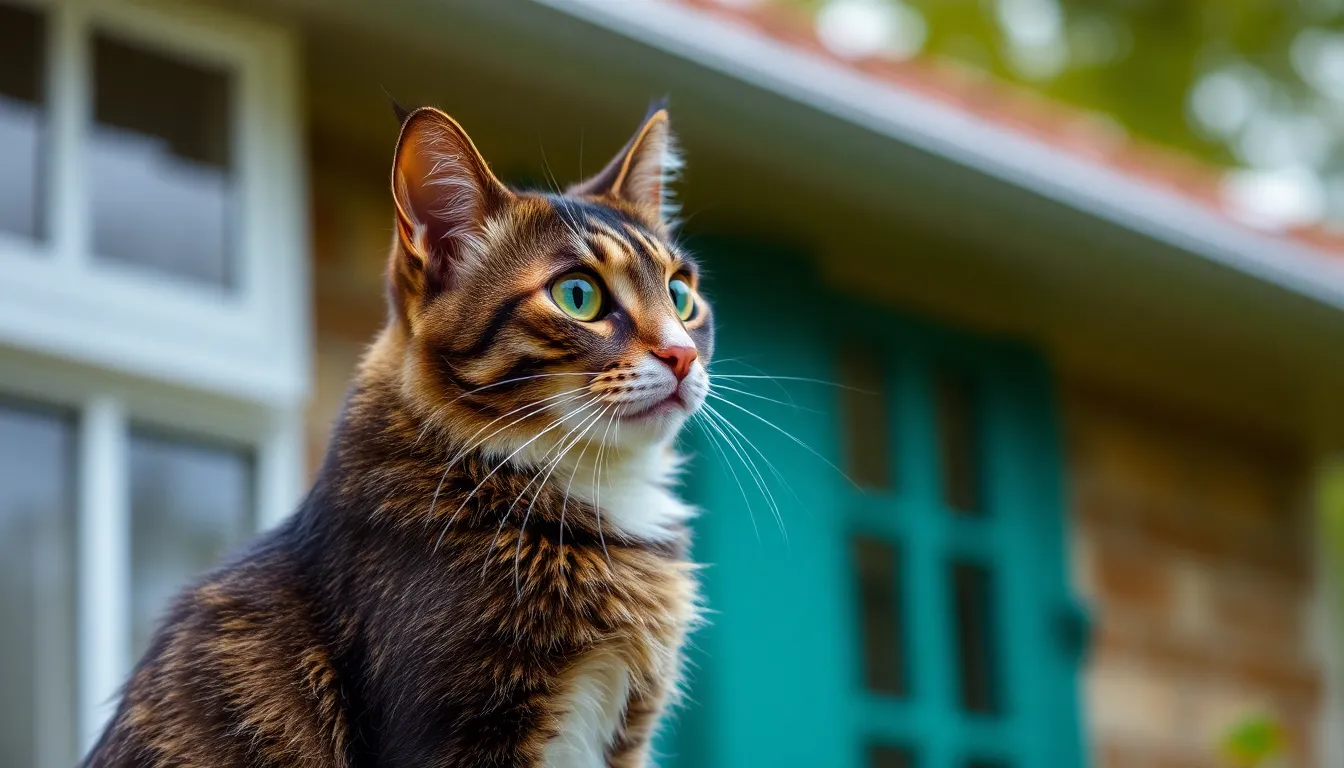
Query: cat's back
[{"x": 239, "y": 675}]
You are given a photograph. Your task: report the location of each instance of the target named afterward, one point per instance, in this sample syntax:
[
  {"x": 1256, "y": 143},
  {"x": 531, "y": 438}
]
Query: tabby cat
[{"x": 491, "y": 568}]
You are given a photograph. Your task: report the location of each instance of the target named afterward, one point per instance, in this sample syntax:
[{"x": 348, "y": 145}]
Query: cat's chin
[
  {"x": 657, "y": 423},
  {"x": 651, "y": 427},
  {"x": 670, "y": 406}
]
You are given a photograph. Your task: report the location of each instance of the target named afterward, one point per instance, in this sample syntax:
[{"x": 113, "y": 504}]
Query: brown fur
[{"x": 432, "y": 603}]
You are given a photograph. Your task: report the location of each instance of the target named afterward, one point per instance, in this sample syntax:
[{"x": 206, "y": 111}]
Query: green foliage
[
  {"x": 1279, "y": 101},
  {"x": 1254, "y": 742}
]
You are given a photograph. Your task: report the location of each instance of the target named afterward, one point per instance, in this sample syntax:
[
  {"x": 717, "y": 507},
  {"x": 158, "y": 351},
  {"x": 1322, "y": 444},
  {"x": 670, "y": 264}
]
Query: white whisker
[
  {"x": 794, "y": 378},
  {"x": 565, "y": 501},
  {"x": 492, "y": 472},
  {"x": 741, "y": 361},
  {"x": 524, "y": 378},
  {"x": 716, "y": 385},
  {"x": 504, "y": 518},
  {"x": 577, "y": 393},
  {"x": 787, "y": 434},
  {"x": 714, "y": 439},
  {"x": 749, "y": 442},
  {"x": 585, "y": 426},
  {"x": 752, "y": 470},
  {"x": 456, "y": 457},
  {"x": 597, "y": 488}
]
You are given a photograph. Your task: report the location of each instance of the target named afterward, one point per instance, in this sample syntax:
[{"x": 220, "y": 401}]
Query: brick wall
[{"x": 1193, "y": 545}]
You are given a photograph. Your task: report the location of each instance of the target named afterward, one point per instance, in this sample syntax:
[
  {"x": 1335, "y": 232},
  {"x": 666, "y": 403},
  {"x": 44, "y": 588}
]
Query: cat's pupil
[{"x": 578, "y": 296}]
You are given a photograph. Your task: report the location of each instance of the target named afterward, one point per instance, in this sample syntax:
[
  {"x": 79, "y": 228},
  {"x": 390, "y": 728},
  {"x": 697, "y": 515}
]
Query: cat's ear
[
  {"x": 444, "y": 194},
  {"x": 640, "y": 173}
]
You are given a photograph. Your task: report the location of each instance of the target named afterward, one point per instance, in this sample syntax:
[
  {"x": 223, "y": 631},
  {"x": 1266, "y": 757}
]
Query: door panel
[{"x": 907, "y": 615}]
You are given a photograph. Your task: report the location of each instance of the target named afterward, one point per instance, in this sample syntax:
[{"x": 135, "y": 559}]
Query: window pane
[
  {"x": 160, "y": 154},
  {"x": 190, "y": 504},
  {"x": 972, "y": 604},
  {"x": 22, "y": 114},
  {"x": 866, "y": 423},
  {"x": 36, "y": 589},
  {"x": 959, "y": 444},
  {"x": 879, "y": 613},
  {"x": 890, "y": 757}
]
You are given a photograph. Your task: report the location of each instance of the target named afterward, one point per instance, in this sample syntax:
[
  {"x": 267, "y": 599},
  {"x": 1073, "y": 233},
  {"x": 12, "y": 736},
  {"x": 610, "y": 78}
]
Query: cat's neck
[{"x": 632, "y": 487}]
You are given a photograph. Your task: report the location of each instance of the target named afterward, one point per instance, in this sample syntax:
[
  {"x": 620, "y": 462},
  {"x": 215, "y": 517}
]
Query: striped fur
[{"x": 491, "y": 568}]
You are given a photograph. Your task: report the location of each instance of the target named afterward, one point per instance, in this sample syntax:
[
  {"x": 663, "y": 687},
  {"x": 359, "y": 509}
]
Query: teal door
[{"x": 914, "y": 615}]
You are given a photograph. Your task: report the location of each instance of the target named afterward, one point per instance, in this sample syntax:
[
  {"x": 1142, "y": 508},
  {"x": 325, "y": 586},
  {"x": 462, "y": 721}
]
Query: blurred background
[{"x": 1077, "y": 267}]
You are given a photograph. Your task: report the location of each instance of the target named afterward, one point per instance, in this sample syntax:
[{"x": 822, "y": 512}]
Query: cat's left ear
[{"x": 640, "y": 173}]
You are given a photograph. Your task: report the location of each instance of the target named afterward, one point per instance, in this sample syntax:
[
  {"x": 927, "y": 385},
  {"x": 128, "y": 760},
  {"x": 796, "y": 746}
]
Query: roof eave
[{"x": 970, "y": 141}]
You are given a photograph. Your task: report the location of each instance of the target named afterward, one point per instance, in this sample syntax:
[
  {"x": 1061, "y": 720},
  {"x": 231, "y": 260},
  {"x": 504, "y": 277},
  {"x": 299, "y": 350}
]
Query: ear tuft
[
  {"x": 400, "y": 112},
  {"x": 642, "y": 173}
]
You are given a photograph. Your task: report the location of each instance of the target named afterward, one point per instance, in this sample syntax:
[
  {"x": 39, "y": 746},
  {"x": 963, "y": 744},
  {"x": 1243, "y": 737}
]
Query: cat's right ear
[{"x": 444, "y": 194}]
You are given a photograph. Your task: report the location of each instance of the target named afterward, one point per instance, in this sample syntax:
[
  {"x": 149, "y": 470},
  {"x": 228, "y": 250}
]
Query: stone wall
[{"x": 1193, "y": 544}]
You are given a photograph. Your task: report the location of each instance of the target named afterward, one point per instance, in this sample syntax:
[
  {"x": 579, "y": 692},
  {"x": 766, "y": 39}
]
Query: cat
[{"x": 491, "y": 568}]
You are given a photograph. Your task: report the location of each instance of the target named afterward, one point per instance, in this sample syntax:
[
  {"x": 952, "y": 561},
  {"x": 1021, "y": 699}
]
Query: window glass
[
  {"x": 160, "y": 155},
  {"x": 890, "y": 757},
  {"x": 22, "y": 117},
  {"x": 190, "y": 504},
  {"x": 36, "y": 589},
  {"x": 879, "y": 607},
  {"x": 959, "y": 442},
  {"x": 863, "y": 403},
  {"x": 973, "y": 613}
]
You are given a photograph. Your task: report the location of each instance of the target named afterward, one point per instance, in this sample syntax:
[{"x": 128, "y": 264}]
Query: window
[
  {"x": 152, "y": 214},
  {"x": 117, "y": 493},
  {"x": 958, "y": 442},
  {"x": 890, "y": 757},
  {"x": 942, "y": 676},
  {"x": 974, "y": 631},
  {"x": 863, "y": 402},
  {"x": 879, "y": 612},
  {"x": 160, "y": 162},
  {"x": 153, "y": 338},
  {"x": 36, "y": 586},
  {"x": 190, "y": 504},
  {"x": 22, "y": 120}
]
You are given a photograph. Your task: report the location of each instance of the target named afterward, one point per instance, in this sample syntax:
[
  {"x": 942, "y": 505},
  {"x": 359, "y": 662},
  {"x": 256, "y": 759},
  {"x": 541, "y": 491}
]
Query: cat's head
[{"x": 528, "y": 315}]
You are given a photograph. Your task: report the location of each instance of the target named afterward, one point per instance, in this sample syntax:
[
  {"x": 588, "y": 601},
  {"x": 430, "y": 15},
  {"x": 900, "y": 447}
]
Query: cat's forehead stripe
[
  {"x": 610, "y": 250},
  {"x": 604, "y": 236},
  {"x": 603, "y": 229},
  {"x": 651, "y": 245}
]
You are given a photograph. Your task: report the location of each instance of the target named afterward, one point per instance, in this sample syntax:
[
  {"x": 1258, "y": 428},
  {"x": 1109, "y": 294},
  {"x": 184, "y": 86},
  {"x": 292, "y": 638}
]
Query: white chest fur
[
  {"x": 633, "y": 492},
  {"x": 634, "y": 495},
  {"x": 592, "y": 707}
]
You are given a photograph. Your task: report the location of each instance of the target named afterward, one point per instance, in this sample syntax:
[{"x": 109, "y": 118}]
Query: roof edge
[{"x": 968, "y": 140}]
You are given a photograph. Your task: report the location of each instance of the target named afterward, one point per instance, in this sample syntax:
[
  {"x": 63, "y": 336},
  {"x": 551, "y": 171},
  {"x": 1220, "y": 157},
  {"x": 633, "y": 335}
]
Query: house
[{"x": 1087, "y": 416}]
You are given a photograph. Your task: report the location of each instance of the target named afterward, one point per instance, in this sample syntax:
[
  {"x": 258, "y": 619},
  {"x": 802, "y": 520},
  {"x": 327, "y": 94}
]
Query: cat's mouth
[{"x": 669, "y": 404}]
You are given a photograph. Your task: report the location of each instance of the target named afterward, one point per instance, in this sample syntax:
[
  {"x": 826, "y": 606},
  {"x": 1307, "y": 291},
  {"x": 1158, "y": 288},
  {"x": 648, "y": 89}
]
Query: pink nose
[{"x": 679, "y": 359}]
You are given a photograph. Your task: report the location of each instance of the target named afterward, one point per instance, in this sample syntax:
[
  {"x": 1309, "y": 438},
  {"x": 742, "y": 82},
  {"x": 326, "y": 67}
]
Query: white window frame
[
  {"x": 122, "y": 348},
  {"x": 107, "y": 406},
  {"x": 249, "y": 341}
]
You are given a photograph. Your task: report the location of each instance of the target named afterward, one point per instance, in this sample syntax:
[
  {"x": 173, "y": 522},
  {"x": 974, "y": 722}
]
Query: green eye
[
  {"x": 578, "y": 296},
  {"x": 682, "y": 298}
]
